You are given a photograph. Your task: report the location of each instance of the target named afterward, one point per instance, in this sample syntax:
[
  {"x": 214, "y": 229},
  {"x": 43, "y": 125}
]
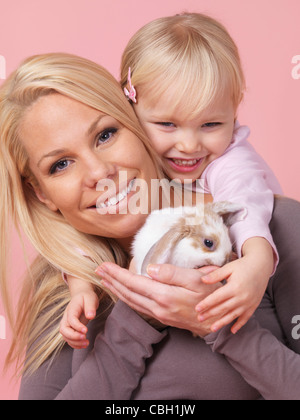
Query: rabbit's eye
[{"x": 208, "y": 243}]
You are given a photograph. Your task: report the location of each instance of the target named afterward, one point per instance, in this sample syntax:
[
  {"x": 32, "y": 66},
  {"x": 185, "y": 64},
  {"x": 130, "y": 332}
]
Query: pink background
[{"x": 267, "y": 33}]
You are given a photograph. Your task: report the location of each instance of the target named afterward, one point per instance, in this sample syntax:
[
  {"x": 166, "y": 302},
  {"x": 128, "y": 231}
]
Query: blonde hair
[
  {"x": 45, "y": 295},
  {"x": 192, "y": 53}
]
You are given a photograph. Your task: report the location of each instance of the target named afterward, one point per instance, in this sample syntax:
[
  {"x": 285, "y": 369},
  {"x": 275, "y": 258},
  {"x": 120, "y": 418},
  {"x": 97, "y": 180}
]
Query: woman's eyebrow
[
  {"x": 57, "y": 152},
  {"x": 94, "y": 125},
  {"x": 51, "y": 154}
]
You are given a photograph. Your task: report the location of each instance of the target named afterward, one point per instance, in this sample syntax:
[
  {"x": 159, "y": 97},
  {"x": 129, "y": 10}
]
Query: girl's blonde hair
[
  {"x": 45, "y": 295},
  {"x": 192, "y": 53}
]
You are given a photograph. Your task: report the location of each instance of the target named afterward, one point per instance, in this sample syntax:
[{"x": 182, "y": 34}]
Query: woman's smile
[
  {"x": 117, "y": 199},
  {"x": 86, "y": 164}
]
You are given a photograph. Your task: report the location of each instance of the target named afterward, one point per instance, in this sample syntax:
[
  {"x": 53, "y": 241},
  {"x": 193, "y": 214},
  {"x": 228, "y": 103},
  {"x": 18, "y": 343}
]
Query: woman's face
[{"x": 71, "y": 147}]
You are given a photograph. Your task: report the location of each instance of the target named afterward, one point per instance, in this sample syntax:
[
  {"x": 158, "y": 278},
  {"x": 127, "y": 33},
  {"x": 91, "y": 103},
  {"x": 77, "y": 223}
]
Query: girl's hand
[
  {"x": 237, "y": 300},
  {"x": 81, "y": 309},
  {"x": 246, "y": 282},
  {"x": 170, "y": 295}
]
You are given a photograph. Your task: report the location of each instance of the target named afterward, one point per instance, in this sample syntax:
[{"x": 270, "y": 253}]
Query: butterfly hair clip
[{"x": 131, "y": 93}]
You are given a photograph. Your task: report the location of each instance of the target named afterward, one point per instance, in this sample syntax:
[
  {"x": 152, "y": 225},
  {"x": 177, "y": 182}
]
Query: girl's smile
[{"x": 185, "y": 165}]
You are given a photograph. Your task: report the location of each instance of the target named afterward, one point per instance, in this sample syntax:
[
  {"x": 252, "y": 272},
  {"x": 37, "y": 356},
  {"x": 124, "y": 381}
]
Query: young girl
[{"x": 184, "y": 78}]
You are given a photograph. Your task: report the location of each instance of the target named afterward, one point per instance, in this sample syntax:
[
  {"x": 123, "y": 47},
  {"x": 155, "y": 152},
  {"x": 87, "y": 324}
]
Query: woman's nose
[{"x": 96, "y": 169}]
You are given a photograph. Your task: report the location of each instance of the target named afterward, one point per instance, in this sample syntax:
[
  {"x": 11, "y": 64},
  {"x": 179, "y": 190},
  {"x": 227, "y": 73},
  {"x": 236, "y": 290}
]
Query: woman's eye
[
  {"x": 106, "y": 135},
  {"x": 59, "y": 166}
]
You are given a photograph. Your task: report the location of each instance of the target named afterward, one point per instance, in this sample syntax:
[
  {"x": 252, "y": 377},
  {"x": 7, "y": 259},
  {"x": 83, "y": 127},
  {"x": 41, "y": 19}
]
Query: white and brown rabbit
[{"x": 189, "y": 237}]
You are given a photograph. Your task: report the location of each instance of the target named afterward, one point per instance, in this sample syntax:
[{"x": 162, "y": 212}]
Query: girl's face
[
  {"x": 186, "y": 146},
  {"x": 71, "y": 147}
]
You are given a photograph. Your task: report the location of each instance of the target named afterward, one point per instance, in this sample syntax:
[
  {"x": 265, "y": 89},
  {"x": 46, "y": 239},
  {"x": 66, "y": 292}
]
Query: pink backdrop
[{"x": 267, "y": 33}]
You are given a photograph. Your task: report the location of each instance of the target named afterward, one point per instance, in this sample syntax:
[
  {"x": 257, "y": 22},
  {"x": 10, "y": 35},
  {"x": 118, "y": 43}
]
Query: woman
[{"x": 64, "y": 125}]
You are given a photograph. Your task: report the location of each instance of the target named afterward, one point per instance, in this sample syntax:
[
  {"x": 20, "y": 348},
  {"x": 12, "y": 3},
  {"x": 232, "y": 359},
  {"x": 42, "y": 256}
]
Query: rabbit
[{"x": 189, "y": 237}]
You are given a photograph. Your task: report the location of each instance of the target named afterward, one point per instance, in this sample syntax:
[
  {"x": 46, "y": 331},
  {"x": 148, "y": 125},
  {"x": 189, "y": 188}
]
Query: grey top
[
  {"x": 128, "y": 359},
  {"x": 131, "y": 360}
]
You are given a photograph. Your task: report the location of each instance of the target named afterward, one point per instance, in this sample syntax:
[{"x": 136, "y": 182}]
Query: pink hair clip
[{"x": 131, "y": 93}]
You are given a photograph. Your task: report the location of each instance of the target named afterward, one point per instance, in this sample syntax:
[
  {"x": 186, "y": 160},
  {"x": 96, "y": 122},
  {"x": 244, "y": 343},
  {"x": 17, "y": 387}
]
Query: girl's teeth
[
  {"x": 185, "y": 162},
  {"x": 119, "y": 197}
]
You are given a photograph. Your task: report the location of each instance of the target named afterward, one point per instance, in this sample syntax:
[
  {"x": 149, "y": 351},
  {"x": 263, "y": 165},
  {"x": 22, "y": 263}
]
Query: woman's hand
[{"x": 170, "y": 295}]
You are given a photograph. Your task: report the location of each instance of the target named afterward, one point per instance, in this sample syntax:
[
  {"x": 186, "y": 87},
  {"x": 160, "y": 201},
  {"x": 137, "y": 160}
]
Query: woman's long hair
[{"x": 44, "y": 296}]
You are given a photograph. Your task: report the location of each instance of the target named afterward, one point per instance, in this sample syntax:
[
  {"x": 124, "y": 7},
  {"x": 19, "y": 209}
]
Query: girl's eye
[
  {"x": 166, "y": 124},
  {"x": 211, "y": 124},
  {"x": 59, "y": 166},
  {"x": 106, "y": 135}
]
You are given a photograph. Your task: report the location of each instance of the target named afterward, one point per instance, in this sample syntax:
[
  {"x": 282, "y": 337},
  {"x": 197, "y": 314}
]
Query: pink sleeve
[{"x": 241, "y": 176}]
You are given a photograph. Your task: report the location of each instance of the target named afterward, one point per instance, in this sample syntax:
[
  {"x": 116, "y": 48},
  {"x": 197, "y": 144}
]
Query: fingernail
[
  {"x": 199, "y": 308},
  {"x": 104, "y": 284},
  {"x": 152, "y": 269},
  {"x": 100, "y": 271}
]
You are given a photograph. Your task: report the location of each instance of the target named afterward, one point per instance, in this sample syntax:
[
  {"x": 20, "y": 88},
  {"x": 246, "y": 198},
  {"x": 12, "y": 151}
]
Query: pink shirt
[{"x": 241, "y": 176}]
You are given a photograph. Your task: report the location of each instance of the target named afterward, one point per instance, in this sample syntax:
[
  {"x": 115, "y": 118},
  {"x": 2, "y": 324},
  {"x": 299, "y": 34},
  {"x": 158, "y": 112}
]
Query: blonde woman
[{"x": 65, "y": 125}]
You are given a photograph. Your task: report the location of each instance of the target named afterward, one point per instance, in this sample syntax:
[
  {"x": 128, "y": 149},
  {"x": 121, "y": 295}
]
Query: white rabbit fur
[{"x": 189, "y": 237}]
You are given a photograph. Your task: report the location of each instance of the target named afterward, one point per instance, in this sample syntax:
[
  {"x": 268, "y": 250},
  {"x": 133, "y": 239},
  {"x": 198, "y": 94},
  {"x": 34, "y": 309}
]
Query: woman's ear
[{"x": 41, "y": 196}]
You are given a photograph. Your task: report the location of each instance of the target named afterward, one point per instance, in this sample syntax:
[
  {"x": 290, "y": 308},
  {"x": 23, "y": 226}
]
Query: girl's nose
[
  {"x": 189, "y": 144},
  {"x": 96, "y": 169}
]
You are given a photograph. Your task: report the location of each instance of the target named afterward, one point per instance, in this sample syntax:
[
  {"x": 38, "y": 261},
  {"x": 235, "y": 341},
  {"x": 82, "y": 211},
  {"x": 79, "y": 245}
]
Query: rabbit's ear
[
  {"x": 161, "y": 251},
  {"x": 230, "y": 212}
]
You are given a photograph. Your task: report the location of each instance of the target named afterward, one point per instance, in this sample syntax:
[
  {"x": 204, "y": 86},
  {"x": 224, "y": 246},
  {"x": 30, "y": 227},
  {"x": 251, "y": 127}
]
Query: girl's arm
[
  {"x": 241, "y": 176},
  {"x": 110, "y": 370},
  {"x": 265, "y": 363}
]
